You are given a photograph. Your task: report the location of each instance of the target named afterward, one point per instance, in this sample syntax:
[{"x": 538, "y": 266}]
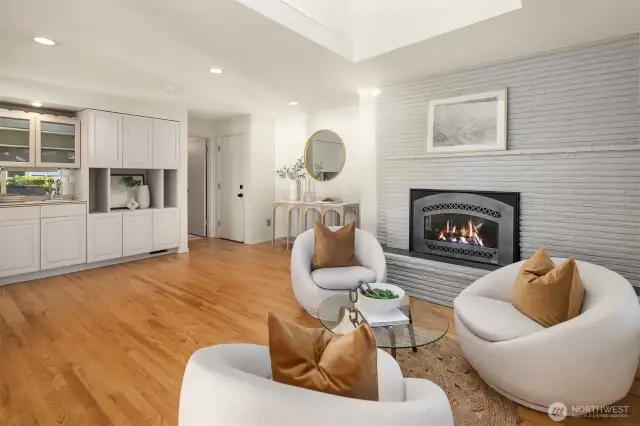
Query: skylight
[{"x": 361, "y": 29}]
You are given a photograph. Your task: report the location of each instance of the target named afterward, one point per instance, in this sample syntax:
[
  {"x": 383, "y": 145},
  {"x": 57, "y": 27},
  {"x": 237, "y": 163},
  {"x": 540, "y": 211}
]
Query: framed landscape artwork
[{"x": 475, "y": 122}]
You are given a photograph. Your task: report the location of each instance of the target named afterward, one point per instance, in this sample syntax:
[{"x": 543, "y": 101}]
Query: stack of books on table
[{"x": 384, "y": 318}]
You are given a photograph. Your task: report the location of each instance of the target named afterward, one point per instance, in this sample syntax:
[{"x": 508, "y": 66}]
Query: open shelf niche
[
  {"x": 171, "y": 188},
  {"x": 163, "y": 188},
  {"x": 98, "y": 191}
]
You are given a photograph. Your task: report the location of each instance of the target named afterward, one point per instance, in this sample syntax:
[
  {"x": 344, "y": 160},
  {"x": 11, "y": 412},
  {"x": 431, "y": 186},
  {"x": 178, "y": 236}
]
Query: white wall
[
  {"x": 355, "y": 180},
  {"x": 201, "y": 127},
  {"x": 205, "y": 128},
  {"x": 573, "y": 156},
  {"x": 51, "y": 96},
  {"x": 261, "y": 186}
]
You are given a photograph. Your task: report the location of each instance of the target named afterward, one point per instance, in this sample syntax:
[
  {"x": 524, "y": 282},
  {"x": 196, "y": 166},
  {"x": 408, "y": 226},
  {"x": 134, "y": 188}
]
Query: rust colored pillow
[
  {"x": 334, "y": 249},
  {"x": 316, "y": 359},
  {"x": 546, "y": 293}
]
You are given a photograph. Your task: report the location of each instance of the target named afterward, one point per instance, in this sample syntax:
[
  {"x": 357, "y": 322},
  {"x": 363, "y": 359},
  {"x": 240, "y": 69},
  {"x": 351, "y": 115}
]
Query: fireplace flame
[{"x": 465, "y": 235}]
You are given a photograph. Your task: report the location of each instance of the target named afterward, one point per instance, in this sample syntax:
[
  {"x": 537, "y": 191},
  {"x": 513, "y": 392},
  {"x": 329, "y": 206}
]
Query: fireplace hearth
[{"x": 465, "y": 226}]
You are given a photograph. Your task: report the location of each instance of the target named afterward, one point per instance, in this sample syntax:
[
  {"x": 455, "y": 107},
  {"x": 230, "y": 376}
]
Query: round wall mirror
[{"x": 324, "y": 155}]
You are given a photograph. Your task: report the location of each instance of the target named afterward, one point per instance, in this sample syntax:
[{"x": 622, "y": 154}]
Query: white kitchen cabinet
[
  {"x": 127, "y": 141},
  {"x": 137, "y": 232},
  {"x": 20, "y": 246},
  {"x": 63, "y": 241},
  {"x": 17, "y": 139},
  {"x": 137, "y": 142},
  {"x": 104, "y": 138},
  {"x": 104, "y": 236},
  {"x": 166, "y": 144},
  {"x": 165, "y": 229},
  {"x": 39, "y": 140},
  {"x": 57, "y": 142}
]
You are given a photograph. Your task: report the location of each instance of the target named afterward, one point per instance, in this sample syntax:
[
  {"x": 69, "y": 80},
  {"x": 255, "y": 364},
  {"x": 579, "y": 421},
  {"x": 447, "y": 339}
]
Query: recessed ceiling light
[
  {"x": 44, "y": 41},
  {"x": 169, "y": 88},
  {"x": 293, "y": 103},
  {"x": 36, "y": 104},
  {"x": 216, "y": 70}
]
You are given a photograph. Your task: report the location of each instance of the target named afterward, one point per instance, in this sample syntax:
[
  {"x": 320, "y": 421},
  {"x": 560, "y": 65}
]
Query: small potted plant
[{"x": 295, "y": 174}]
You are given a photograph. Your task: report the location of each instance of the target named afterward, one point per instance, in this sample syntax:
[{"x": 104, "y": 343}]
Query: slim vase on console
[
  {"x": 293, "y": 174},
  {"x": 294, "y": 190},
  {"x": 143, "y": 196}
]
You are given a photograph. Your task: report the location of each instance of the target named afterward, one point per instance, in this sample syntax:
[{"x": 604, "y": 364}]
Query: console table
[{"x": 322, "y": 207}]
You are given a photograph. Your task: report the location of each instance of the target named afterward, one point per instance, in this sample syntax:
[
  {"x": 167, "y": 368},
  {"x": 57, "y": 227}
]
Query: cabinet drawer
[
  {"x": 64, "y": 210},
  {"x": 19, "y": 213}
]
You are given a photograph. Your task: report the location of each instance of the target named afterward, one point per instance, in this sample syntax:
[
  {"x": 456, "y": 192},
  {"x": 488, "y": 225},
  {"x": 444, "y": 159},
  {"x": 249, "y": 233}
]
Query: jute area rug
[{"x": 473, "y": 402}]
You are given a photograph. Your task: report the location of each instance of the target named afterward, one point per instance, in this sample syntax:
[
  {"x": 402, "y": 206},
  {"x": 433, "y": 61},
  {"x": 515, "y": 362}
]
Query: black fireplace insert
[{"x": 461, "y": 227}]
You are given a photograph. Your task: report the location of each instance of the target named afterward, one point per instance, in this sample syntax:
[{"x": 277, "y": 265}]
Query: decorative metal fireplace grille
[{"x": 475, "y": 227}]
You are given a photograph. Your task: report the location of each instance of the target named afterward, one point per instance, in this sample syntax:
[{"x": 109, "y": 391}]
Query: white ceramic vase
[
  {"x": 144, "y": 199},
  {"x": 132, "y": 204},
  {"x": 294, "y": 190}
]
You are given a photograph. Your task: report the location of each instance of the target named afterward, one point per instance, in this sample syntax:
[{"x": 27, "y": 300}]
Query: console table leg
[
  {"x": 288, "y": 226},
  {"x": 273, "y": 228}
]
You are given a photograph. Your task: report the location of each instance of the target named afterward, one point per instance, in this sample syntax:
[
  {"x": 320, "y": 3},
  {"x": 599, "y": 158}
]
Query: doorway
[
  {"x": 198, "y": 148},
  {"x": 231, "y": 188}
]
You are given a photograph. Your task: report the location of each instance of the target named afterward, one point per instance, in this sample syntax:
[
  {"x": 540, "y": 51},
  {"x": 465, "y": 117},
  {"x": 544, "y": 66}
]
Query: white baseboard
[
  {"x": 268, "y": 240},
  {"x": 77, "y": 268}
]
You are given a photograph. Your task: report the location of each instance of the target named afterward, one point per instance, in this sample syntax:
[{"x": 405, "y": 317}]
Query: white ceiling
[
  {"x": 362, "y": 29},
  {"x": 138, "y": 48}
]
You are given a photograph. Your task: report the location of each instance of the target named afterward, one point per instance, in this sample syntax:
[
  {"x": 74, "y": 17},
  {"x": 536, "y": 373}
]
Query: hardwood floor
[{"x": 109, "y": 346}]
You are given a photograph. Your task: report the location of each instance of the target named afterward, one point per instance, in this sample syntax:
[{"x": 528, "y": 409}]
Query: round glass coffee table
[{"x": 426, "y": 323}]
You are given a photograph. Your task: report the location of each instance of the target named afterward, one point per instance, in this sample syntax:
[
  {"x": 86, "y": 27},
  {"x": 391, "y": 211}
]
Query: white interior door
[
  {"x": 197, "y": 183},
  {"x": 231, "y": 199}
]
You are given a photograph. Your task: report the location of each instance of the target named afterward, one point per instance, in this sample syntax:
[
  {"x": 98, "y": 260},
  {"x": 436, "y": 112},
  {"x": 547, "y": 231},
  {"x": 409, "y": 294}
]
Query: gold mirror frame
[{"x": 306, "y": 147}]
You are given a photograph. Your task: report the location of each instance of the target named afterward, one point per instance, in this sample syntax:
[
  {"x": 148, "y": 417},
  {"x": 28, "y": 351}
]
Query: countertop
[{"x": 40, "y": 203}]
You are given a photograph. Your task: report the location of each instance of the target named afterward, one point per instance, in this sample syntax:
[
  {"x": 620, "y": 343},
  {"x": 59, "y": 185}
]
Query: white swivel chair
[
  {"x": 313, "y": 288},
  {"x": 589, "y": 360},
  {"x": 231, "y": 385}
]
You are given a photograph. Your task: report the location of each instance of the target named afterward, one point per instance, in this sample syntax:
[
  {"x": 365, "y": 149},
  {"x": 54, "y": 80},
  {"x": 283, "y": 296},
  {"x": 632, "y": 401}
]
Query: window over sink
[{"x": 29, "y": 183}]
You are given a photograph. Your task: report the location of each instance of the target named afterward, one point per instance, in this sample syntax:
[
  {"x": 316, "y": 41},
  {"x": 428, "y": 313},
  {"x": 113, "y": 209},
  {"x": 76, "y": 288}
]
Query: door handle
[{"x": 240, "y": 195}]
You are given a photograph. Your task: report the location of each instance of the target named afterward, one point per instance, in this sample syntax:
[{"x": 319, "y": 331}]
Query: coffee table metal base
[
  {"x": 340, "y": 315},
  {"x": 392, "y": 339}
]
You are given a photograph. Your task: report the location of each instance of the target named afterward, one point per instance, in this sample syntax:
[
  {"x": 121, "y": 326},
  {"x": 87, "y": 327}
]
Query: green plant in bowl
[{"x": 380, "y": 294}]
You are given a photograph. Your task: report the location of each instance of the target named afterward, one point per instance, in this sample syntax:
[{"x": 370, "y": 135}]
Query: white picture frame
[{"x": 475, "y": 122}]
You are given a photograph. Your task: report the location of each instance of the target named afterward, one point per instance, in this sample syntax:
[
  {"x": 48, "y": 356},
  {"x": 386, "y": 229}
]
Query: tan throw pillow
[
  {"x": 334, "y": 249},
  {"x": 316, "y": 359},
  {"x": 546, "y": 293}
]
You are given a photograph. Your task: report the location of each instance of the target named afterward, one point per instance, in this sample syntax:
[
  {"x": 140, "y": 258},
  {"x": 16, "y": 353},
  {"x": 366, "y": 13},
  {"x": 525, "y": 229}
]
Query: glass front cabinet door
[
  {"x": 17, "y": 139},
  {"x": 57, "y": 142}
]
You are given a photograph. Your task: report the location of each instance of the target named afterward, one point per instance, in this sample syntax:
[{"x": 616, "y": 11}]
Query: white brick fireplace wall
[{"x": 574, "y": 155}]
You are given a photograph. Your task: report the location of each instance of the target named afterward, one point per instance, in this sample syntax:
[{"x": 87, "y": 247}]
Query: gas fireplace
[{"x": 465, "y": 226}]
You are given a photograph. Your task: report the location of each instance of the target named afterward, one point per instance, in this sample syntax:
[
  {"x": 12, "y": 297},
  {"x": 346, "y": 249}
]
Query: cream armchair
[
  {"x": 313, "y": 288},
  {"x": 589, "y": 360},
  {"x": 231, "y": 385}
]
